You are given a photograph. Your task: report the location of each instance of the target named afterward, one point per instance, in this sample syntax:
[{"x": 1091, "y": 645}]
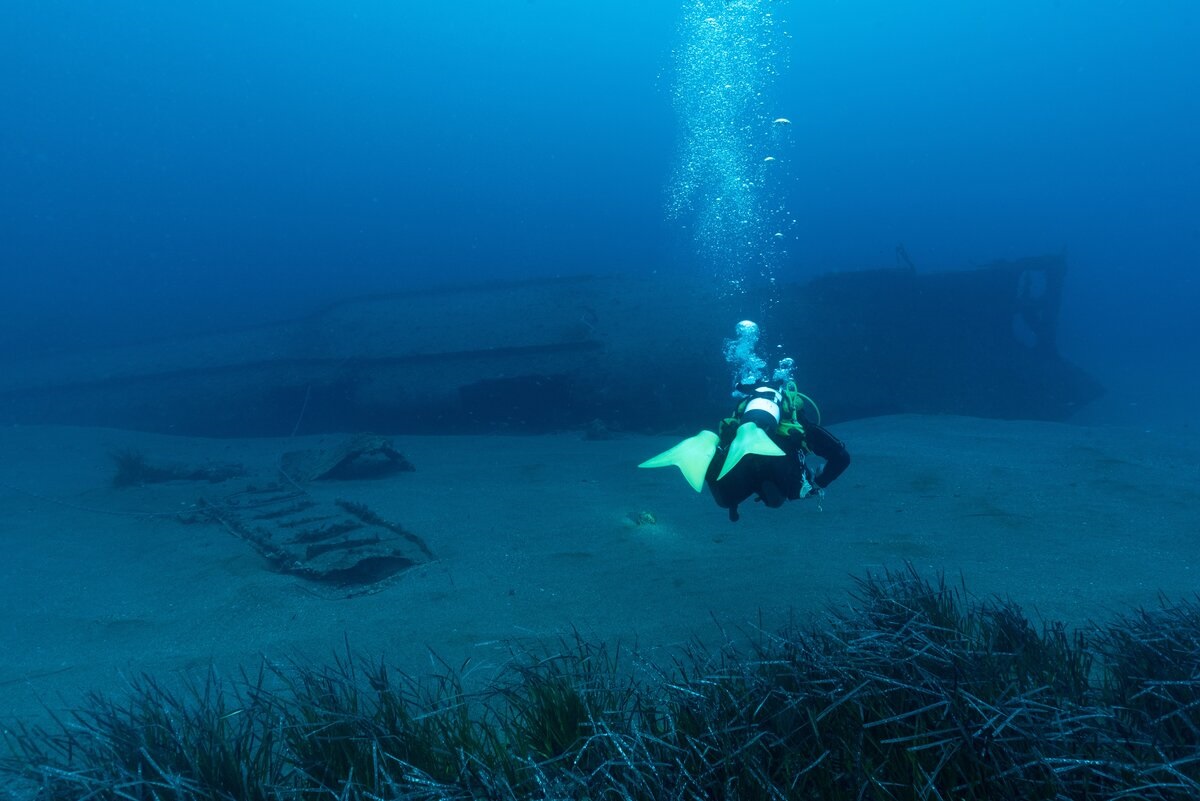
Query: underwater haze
[
  {"x": 171, "y": 168},
  {"x": 522, "y": 386}
]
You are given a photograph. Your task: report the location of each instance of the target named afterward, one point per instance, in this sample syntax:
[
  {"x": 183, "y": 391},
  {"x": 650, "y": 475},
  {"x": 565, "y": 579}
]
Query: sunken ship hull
[{"x": 617, "y": 352}]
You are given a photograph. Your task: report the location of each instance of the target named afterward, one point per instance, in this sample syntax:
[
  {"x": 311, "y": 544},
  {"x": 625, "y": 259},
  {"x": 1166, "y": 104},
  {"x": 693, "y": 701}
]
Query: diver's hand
[{"x": 809, "y": 487}]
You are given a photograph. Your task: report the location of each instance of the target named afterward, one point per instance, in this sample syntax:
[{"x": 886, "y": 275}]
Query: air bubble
[{"x": 725, "y": 69}]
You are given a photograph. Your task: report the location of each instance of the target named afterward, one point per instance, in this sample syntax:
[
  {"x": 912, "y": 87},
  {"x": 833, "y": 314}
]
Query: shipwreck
[{"x": 622, "y": 352}]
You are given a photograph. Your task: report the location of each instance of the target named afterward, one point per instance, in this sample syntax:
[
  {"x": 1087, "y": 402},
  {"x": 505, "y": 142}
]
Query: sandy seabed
[{"x": 537, "y": 538}]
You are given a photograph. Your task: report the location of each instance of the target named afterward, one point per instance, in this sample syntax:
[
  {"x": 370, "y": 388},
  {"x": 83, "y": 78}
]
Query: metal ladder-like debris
[{"x": 343, "y": 547}]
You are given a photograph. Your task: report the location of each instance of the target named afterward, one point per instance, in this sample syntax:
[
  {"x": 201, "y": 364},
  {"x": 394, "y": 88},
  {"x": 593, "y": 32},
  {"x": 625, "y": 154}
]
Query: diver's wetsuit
[
  {"x": 829, "y": 448},
  {"x": 776, "y": 479}
]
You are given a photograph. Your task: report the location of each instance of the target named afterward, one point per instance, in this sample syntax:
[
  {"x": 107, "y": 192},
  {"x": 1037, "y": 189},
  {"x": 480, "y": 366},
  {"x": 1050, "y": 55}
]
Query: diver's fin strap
[
  {"x": 691, "y": 457},
  {"x": 749, "y": 439}
]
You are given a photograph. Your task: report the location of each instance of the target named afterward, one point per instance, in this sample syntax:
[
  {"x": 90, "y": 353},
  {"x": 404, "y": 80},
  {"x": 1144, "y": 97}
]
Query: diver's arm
[{"x": 829, "y": 448}]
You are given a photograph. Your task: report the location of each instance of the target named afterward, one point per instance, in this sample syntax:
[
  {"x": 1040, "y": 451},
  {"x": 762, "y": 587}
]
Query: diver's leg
[
  {"x": 737, "y": 485},
  {"x": 770, "y": 494}
]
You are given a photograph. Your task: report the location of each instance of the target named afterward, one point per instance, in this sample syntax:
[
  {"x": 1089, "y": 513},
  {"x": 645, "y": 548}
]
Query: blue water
[{"x": 171, "y": 167}]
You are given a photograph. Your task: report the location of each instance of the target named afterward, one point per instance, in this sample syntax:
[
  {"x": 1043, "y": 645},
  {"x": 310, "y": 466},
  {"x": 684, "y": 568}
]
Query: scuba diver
[{"x": 761, "y": 449}]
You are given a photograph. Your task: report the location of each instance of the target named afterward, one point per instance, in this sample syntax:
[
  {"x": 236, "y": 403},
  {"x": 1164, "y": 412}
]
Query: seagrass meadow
[
  {"x": 909, "y": 688},
  {"x": 579, "y": 628}
]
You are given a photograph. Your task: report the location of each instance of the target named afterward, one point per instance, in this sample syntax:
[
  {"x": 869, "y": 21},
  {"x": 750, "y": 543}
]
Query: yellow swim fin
[
  {"x": 749, "y": 439},
  {"x": 691, "y": 457}
]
